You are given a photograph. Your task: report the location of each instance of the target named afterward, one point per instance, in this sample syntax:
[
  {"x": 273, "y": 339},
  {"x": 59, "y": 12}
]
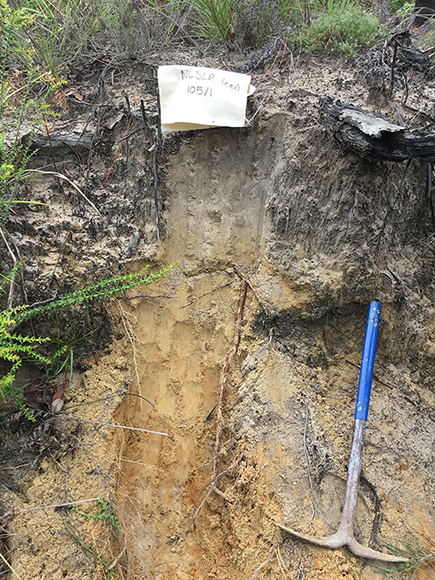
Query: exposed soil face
[{"x": 319, "y": 233}]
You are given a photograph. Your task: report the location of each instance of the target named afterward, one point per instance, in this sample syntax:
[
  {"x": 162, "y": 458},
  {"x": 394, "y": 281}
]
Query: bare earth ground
[{"x": 319, "y": 232}]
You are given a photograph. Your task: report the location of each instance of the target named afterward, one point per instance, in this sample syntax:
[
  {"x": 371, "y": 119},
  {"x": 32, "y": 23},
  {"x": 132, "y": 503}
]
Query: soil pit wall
[{"x": 319, "y": 233}]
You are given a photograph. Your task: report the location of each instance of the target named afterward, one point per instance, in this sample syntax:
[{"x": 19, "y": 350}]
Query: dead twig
[
  {"x": 307, "y": 459},
  {"x": 43, "y": 302},
  {"x": 23, "y": 286},
  {"x": 108, "y": 399},
  {"x": 53, "y": 159},
  {"x": 9, "y": 566},
  {"x": 88, "y": 168},
  {"x": 301, "y": 574},
  {"x": 118, "y": 426},
  {"x": 143, "y": 296},
  {"x": 61, "y": 176},
  {"x": 429, "y": 192},
  {"x": 244, "y": 277},
  {"x": 392, "y": 205},
  {"x": 152, "y": 150},
  {"x": 258, "y": 570},
  {"x": 280, "y": 560},
  {"x": 128, "y": 327},
  {"x": 118, "y": 151},
  {"x": 206, "y": 294},
  {"x": 393, "y": 64},
  {"x": 121, "y": 553},
  {"x": 223, "y": 495},
  {"x": 77, "y": 440},
  {"x": 213, "y": 483},
  {"x": 255, "y": 114},
  {"x": 57, "y": 506},
  {"x": 246, "y": 367},
  {"x": 11, "y": 535},
  {"x": 131, "y": 134},
  {"x": 11, "y": 286}
]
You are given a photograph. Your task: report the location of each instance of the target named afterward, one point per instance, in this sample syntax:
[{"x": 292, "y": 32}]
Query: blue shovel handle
[{"x": 368, "y": 361}]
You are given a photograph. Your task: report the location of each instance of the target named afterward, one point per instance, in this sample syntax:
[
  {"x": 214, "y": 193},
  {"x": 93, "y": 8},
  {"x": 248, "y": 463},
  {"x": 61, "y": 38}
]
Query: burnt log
[
  {"x": 374, "y": 137},
  {"x": 63, "y": 143}
]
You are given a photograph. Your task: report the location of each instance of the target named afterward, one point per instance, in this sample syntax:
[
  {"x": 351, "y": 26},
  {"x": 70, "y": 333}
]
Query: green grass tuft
[{"x": 417, "y": 546}]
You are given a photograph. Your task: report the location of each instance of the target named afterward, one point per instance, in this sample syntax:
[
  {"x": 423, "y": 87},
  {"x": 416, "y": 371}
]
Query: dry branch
[
  {"x": 11, "y": 286},
  {"x": 206, "y": 294},
  {"x": 143, "y": 296},
  {"x": 9, "y": 566},
  {"x": 307, "y": 458},
  {"x": 61, "y": 176},
  {"x": 6, "y": 517},
  {"x": 129, "y": 330},
  {"x": 244, "y": 277},
  {"x": 152, "y": 150},
  {"x": 118, "y": 426},
  {"x": 88, "y": 168},
  {"x": 258, "y": 570},
  {"x": 212, "y": 487},
  {"x": 251, "y": 360},
  {"x": 108, "y": 398}
]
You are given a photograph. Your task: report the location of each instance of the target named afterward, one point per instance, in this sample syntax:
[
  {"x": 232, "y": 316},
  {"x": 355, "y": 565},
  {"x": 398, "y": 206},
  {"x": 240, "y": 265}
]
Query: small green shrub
[
  {"x": 15, "y": 348},
  {"x": 24, "y": 95},
  {"x": 96, "y": 548},
  {"x": 107, "y": 513},
  {"x": 342, "y": 30},
  {"x": 72, "y": 31},
  {"x": 401, "y": 6}
]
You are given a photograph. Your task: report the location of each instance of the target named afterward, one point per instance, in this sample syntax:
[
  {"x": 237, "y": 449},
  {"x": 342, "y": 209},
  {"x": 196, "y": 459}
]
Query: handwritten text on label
[{"x": 200, "y": 91}]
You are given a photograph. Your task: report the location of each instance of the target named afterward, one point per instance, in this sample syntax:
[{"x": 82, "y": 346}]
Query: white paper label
[{"x": 199, "y": 98}]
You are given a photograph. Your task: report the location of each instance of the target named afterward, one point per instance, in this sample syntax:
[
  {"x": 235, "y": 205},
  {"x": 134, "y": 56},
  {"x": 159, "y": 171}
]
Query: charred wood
[
  {"x": 374, "y": 137},
  {"x": 81, "y": 142}
]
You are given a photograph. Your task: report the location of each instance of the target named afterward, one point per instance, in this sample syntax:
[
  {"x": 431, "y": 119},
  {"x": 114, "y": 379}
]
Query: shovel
[{"x": 345, "y": 536}]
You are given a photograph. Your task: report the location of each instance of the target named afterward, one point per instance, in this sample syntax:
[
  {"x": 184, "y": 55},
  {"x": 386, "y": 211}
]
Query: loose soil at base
[{"x": 319, "y": 232}]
